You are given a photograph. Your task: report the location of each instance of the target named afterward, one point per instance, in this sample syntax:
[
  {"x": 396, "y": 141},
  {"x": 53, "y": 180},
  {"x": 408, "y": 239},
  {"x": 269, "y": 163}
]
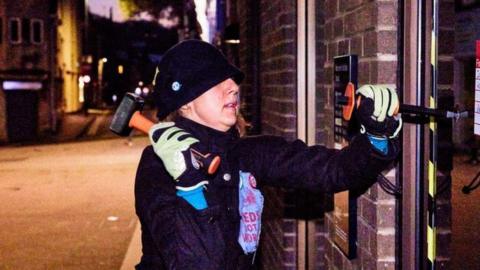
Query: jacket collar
[{"x": 215, "y": 140}]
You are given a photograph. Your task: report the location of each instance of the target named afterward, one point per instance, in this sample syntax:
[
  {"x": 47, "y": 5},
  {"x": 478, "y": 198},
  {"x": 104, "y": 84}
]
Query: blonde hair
[{"x": 242, "y": 125}]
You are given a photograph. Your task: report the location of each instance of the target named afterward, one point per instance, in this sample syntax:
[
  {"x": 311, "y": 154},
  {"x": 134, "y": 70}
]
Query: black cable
[
  {"x": 475, "y": 183},
  {"x": 389, "y": 187}
]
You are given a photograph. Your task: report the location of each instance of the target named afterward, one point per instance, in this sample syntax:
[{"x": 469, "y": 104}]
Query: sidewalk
[{"x": 93, "y": 125}]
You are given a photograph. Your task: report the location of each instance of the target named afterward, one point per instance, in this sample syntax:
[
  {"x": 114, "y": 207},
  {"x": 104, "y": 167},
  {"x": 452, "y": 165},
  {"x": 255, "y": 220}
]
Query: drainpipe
[{"x": 52, "y": 66}]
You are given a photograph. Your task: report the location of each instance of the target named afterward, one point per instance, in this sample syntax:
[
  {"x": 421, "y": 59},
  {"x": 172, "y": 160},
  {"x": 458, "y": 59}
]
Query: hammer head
[{"x": 121, "y": 119}]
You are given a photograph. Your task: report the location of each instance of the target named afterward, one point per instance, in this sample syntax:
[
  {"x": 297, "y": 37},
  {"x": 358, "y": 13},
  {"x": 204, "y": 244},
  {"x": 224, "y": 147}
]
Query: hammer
[
  {"x": 349, "y": 104},
  {"x": 128, "y": 117}
]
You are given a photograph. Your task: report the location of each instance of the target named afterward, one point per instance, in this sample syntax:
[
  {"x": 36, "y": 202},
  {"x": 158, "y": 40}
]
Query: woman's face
[{"x": 216, "y": 108}]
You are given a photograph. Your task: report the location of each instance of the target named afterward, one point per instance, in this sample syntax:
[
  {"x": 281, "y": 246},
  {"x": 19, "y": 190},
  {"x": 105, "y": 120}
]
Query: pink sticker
[{"x": 252, "y": 181}]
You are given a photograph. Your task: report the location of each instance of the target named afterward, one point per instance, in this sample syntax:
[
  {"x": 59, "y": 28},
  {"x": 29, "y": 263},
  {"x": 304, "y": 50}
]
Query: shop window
[
  {"x": 36, "y": 31},
  {"x": 14, "y": 30}
]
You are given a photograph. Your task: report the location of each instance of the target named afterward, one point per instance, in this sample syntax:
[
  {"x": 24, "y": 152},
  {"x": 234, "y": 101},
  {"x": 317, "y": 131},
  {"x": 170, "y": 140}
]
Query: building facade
[
  {"x": 287, "y": 50},
  {"x": 41, "y": 44}
]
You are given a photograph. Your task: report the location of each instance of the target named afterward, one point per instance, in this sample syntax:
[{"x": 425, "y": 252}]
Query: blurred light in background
[
  {"x": 21, "y": 85},
  {"x": 86, "y": 79},
  {"x": 138, "y": 91}
]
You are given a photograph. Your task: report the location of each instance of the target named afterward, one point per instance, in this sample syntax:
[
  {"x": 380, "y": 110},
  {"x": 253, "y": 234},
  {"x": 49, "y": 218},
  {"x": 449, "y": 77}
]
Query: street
[{"x": 67, "y": 206}]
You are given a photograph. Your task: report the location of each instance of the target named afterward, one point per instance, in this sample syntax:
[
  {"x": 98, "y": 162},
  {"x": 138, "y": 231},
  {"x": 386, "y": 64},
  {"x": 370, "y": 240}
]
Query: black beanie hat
[{"x": 188, "y": 70}]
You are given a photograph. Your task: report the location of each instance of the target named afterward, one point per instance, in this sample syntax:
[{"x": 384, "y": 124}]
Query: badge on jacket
[{"x": 250, "y": 206}]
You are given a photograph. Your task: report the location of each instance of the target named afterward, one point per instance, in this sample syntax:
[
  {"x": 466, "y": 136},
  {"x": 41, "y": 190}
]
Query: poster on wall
[{"x": 476, "y": 129}]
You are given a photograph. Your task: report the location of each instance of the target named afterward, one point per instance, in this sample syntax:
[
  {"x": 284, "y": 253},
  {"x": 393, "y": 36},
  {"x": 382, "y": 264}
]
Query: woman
[{"x": 192, "y": 220}]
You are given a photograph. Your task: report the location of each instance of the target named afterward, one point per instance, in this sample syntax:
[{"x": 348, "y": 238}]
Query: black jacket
[{"x": 176, "y": 236}]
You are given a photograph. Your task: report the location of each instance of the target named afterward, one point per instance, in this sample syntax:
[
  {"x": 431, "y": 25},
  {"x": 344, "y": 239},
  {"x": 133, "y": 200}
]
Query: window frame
[
  {"x": 19, "y": 30},
  {"x": 32, "y": 32}
]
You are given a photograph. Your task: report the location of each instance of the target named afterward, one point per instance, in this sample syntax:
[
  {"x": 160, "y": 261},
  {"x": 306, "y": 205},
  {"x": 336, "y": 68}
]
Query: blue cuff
[
  {"x": 194, "y": 197},
  {"x": 381, "y": 144}
]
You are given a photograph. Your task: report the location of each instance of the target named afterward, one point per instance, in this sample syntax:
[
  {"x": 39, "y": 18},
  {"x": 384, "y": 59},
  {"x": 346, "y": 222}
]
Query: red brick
[
  {"x": 338, "y": 27},
  {"x": 328, "y": 29},
  {"x": 348, "y": 265},
  {"x": 443, "y": 244},
  {"x": 383, "y": 72},
  {"x": 356, "y": 45},
  {"x": 337, "y": 258},
  {"x": 289, "y": 257},
  {"x": 331, "y": 8},
  {"x": 347, "y": 5},
  {"x": 363, "y": 235},
  {"x": 385, "y": 216},
  {"x": 444, "y": 264},
  {"x": 444, "y": 215},
  {"x": 387, "y": 13},
  {"x": 343, "y": 47},
  {"x": 361, "y": 19},
  {"x": 445, "y": 72},
  {"x": 367, "y": 262},
  {"x": 363, "y": 72},
  {"x": 384, "y": 42},
  {"x": 368, "y": 211},
  {"x": 386, "y": 265},
  {"x": 385, "y": 246},
  {"x": 446, "y": 14},
  {"x": 332, "y": 50}
]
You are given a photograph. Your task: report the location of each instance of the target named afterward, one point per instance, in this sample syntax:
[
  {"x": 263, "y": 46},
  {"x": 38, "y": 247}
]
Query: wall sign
[{"x": 345, "y": 204}]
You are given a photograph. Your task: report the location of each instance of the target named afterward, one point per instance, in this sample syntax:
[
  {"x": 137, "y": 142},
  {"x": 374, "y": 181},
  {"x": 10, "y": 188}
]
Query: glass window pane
[
  {"x": 37, "y": 36},
  {"x": 14, "y": 30}
]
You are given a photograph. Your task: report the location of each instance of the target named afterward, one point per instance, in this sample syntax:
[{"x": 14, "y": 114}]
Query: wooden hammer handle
[{"x": 140, "y": 122}]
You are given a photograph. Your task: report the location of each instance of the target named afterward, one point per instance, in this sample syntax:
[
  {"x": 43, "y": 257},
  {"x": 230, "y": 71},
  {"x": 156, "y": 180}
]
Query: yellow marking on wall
[
  {"x": 431, "y": 243},
  {"x": 431, "y": 178},
  {"x": 433, "y": 50}
]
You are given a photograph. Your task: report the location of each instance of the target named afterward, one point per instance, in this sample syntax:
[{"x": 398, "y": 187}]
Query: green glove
[
  {"x": 172, "y": 145},
  {"x": 376, "y": 111}
]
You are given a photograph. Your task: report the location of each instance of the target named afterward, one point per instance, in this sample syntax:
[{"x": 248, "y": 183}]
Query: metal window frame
[
  {"x": 306, "y": 114},
  {"x": 417, "y": 88}
]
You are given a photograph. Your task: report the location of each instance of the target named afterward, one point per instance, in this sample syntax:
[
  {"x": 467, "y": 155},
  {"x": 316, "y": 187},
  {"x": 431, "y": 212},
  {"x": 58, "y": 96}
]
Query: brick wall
[
  {"x": 368, "y": 29},
  {"x": 267, "y": 55},
  {"x": 278, "y": 113},
  {"x": 248, "y": 57},
  {"x": 446, "y": 39}
]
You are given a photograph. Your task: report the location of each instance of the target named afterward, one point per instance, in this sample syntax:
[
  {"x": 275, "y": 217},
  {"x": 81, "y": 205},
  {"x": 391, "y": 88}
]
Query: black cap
[{"x": 188, "y": 70}]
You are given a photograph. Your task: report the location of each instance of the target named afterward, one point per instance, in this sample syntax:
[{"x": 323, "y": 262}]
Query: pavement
[
  {"x": 69, "y": 205},
  {"x": 80, "y": 126},
  {"x": 75, "y": 129}
]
